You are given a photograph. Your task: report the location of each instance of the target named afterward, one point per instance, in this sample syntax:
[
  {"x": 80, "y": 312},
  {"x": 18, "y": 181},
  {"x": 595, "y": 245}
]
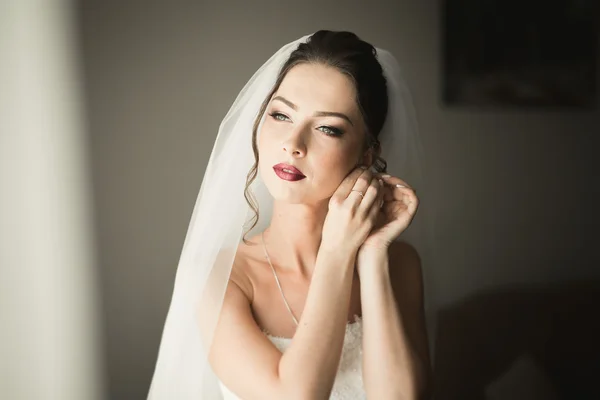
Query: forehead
[{"x": 317, "y": 87}]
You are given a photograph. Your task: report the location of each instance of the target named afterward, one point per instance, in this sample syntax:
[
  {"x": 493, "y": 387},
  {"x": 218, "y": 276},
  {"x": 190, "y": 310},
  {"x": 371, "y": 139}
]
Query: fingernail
[
  {"x": 363, "y": 167},
  {"x": 380, "y": 182},
  {"x": 385, "y": 176},
  {"x": 400, "y": 186}
]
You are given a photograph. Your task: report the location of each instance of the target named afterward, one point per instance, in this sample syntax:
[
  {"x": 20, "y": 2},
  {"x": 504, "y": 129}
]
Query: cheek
[
  {"x": 265, "y": 145},
  {"x": 266, "y": 138},
  {"x": 326, "y": 165},
  {"x": 269, "y": 154},
  {"x": 332, "y": 168}
]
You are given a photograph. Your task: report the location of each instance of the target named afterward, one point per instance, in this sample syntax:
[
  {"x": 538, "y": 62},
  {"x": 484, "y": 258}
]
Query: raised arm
[
  {"x": 245, "y": 359},
  {"x": 248, "y": 363}
]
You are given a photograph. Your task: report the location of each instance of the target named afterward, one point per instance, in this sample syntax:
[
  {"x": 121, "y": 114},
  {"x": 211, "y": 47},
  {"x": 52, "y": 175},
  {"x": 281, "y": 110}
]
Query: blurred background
[{"x": 515, "y": 182}]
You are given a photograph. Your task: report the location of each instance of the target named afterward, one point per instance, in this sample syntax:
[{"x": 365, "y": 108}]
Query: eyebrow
[{"x": 317, "y": 113}]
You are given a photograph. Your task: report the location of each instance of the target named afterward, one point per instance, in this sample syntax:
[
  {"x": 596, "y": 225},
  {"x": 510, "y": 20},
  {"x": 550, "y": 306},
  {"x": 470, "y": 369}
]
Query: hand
[
  {"x": 351, "y": 216},
  {"x": 397, "y": 212}
]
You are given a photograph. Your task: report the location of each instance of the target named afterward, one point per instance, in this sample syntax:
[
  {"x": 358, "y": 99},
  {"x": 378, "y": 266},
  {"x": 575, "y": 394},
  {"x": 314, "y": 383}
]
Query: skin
[
  {"x": 298, "y": 138},
  {"x": 392, "y": 286}
]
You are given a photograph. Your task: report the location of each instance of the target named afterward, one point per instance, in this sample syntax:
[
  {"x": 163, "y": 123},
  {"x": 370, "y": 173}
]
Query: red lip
[{"x": 294, "y": 175}]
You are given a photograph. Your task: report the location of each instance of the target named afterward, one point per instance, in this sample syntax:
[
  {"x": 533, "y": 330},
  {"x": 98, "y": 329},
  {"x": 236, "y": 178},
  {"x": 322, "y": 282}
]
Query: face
[{"x": 313, "y": 124}]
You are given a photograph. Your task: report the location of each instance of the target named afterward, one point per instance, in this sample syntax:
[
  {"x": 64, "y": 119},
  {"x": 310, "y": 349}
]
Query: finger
[
  {"x": 402, "y": 209},
  {"x": 378, "y": 203},
  {"x": 371, "y": 194},
  {"x": 398, "y": 194},
  {"x": 341, "y": 193},
  {"x": 412, "y": 205},
  {"x": 398, "y": 187},
  {"x": 388, "y": 193},
  {"x": 361, "y": 184},
  {"x": 383, "y": 193},
  {"x": 394, "y": 181}
]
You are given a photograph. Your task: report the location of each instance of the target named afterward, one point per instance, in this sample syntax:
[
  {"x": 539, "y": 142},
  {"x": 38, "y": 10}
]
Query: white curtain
[{"x": 48, "y": 294}]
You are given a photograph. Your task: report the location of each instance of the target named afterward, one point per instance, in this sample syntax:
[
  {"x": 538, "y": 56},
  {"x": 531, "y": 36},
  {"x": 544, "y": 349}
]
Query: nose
[{"x": 295, "y": 143}]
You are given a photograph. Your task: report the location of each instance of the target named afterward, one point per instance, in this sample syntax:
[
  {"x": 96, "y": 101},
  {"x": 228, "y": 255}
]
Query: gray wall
[{"x": 513, "y": 189}]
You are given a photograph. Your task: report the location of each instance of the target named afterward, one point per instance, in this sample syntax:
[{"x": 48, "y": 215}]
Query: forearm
[
  {"x": 391, "y": 368},
  {"x": 312, "y": 360}
]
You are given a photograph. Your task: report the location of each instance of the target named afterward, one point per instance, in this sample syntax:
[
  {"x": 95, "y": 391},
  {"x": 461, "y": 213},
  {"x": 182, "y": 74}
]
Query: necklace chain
[{"x": 262, "y": 235}]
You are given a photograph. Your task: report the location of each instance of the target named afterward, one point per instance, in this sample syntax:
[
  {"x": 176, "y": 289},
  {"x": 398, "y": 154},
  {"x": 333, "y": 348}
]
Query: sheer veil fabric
[{"x": 221, "y": 215}]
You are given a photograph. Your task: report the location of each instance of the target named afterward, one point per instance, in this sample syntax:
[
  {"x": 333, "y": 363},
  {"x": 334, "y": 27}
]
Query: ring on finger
[{"x": 359, "y": 192}]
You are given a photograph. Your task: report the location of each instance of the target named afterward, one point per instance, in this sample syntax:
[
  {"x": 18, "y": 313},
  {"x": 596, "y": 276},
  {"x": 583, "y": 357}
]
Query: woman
[{"x": 327, "y": 271}]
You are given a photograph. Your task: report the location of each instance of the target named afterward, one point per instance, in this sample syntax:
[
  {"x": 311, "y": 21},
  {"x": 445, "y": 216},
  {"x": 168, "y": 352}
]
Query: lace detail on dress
[{"x": 348, "y": 383}]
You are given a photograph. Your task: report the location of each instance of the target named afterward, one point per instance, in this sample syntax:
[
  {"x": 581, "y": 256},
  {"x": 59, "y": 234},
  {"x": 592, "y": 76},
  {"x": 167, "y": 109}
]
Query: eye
[
  {"x": 331, "y": 131},
  {"x": 327, "y": 130},
  {"x": 276, "y": 116}
]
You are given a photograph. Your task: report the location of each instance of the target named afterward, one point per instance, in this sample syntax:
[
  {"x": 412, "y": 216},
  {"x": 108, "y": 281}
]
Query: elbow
[
  {"x": 299, "y": 390},
  {"x": 304, "y": 392},
  {"x": 299, "y": 387}
]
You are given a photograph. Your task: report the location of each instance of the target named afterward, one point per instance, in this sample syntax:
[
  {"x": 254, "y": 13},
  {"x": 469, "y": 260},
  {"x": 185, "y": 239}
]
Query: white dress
[{"x": 348, "y": 383}]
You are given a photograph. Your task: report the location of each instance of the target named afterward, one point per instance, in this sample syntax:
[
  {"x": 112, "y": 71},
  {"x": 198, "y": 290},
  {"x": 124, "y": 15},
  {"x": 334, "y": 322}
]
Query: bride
[{"x": 321, "y": 298}]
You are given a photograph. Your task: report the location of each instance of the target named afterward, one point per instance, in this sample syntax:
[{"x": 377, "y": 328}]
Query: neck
[{"x": 294, "y": 236}]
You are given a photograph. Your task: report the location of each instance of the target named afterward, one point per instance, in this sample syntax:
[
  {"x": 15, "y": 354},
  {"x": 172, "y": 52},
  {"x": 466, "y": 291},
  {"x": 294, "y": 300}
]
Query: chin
[
  {"x": 292, "y": 195},
  {"x": 298, "y": 192}
]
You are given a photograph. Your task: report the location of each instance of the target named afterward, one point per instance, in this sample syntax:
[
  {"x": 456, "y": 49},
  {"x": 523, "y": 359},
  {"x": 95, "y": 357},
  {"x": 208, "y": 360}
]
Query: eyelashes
[
  {"x": 328, "y": 130},
  {"x": 275, "y": 116}
]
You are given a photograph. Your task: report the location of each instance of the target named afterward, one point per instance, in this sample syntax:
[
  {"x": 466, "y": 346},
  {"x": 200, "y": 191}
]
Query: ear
[
  {"x": 370, "y": 155},
  {"x": 367, "y": 158}
]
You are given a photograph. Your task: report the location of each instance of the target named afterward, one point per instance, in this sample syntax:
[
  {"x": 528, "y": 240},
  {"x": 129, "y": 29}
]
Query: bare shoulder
[
  {"x": 240, "y": 270},
  {"x": 242, "y": 357}
]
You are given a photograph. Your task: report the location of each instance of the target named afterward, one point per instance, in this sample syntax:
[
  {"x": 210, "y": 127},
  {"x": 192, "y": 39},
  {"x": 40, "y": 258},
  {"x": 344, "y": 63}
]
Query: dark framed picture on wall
[{"x": 520, "y": 53}]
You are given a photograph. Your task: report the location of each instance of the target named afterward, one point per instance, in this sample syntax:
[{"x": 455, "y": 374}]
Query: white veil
[{"x": 221, "y": 216}]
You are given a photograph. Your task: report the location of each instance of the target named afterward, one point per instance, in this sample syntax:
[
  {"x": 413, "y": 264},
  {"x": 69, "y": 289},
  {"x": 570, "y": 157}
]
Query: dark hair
[{"x": 353, "y": 57}]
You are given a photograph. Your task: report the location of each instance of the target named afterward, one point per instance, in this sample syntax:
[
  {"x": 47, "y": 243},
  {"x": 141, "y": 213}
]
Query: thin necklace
[{"x": 262, "y": 235}]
